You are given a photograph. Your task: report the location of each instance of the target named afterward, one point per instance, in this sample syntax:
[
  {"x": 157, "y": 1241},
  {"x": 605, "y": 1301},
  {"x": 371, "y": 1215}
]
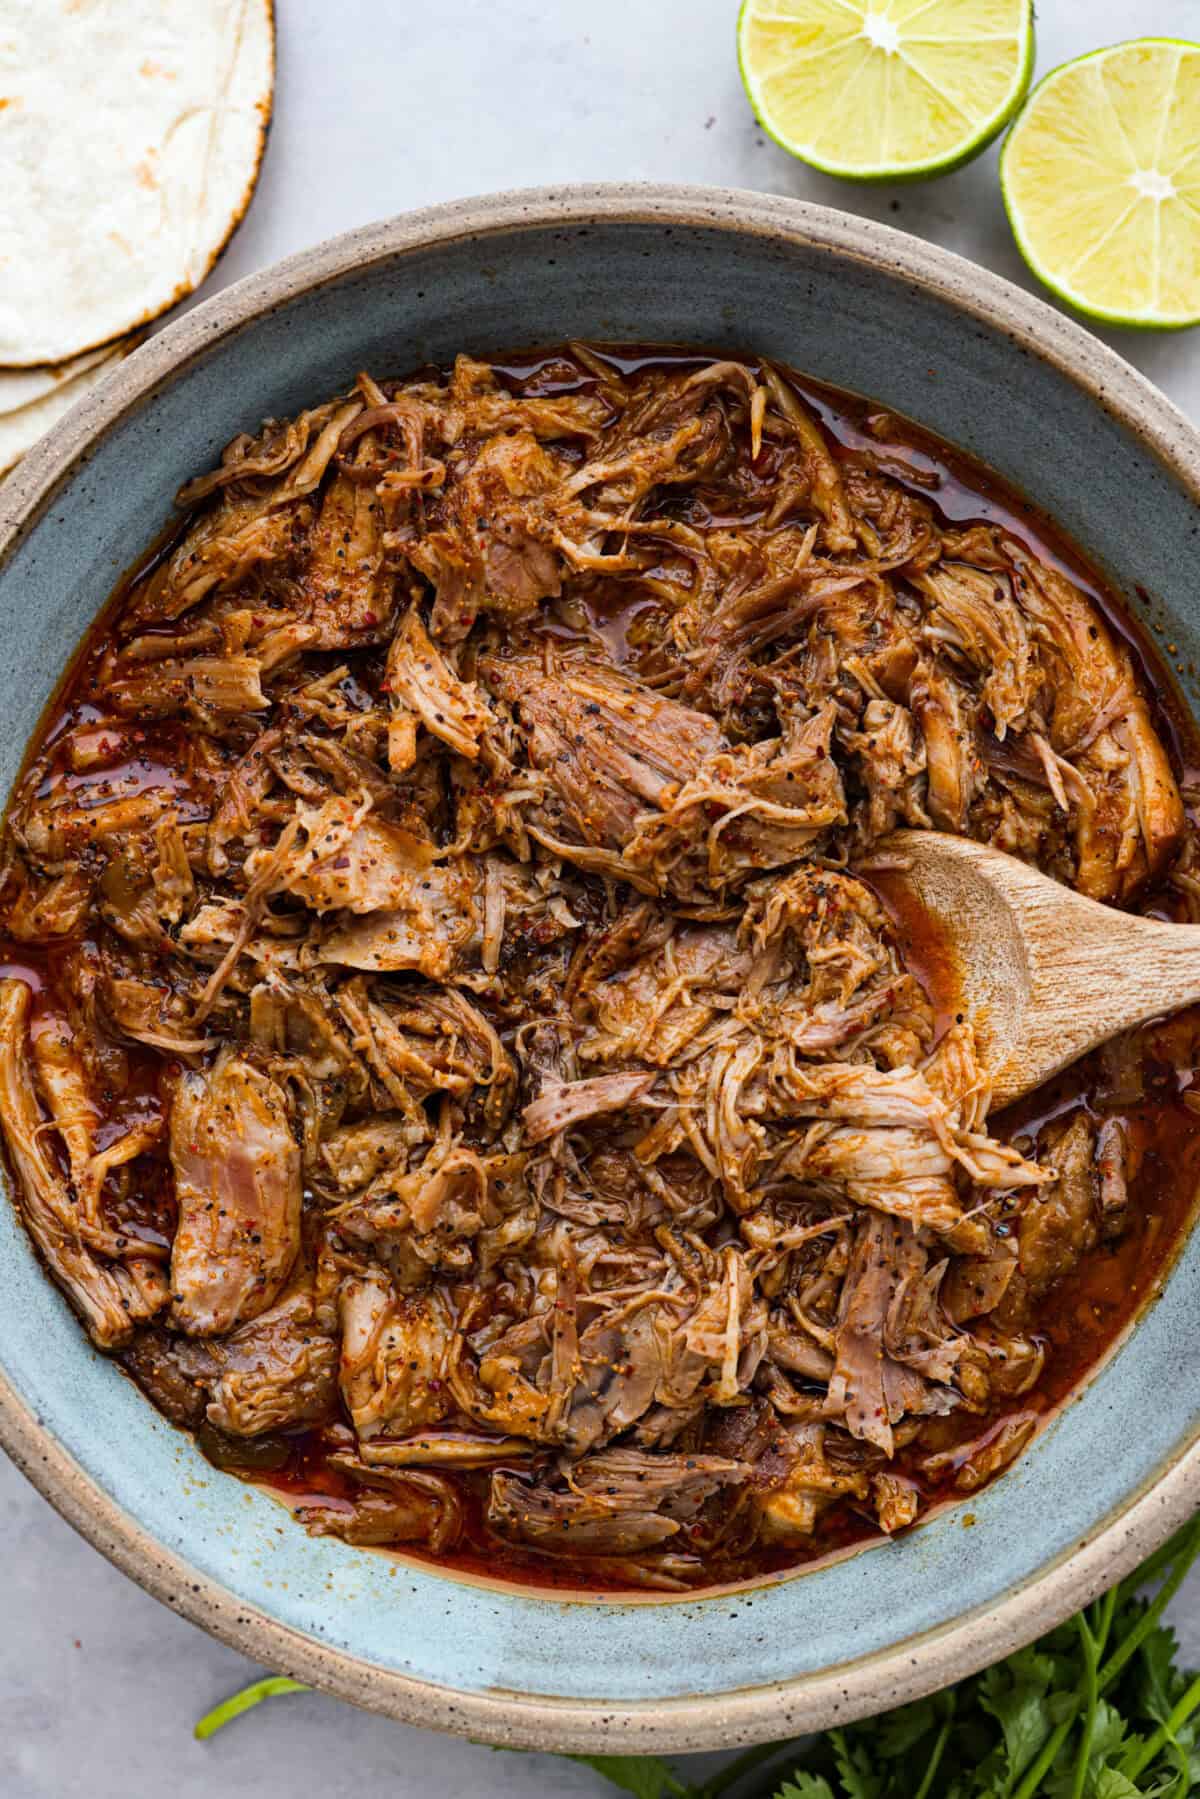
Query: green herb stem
[
  {"x": 1105, "y": 1610},
  {"x": 1134, "y": 1764},
  {"x": 939, "y": 1746},
  {"x": 1091, "y": 1695},
  {"x": 1125, "y": 1652},
  {"x": 1045, "y": 1759},
  {"x": 237, "y": 1703}
]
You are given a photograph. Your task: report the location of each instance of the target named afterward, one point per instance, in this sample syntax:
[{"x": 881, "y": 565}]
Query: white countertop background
[{"x": 383, "y": 105}]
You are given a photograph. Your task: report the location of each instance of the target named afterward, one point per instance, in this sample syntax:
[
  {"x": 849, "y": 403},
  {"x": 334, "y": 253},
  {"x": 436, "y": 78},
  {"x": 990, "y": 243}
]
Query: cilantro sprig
[{"x": 1097, "y": 1709}]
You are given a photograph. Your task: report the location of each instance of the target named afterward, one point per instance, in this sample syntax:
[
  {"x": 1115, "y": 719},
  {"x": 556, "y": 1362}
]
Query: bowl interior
[{"x": 853, "y": 319}]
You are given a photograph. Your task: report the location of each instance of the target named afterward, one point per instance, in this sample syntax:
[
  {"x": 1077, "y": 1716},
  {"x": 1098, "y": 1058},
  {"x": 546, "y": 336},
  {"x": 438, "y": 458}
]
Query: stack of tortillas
[{"x": 131, "y": 133}]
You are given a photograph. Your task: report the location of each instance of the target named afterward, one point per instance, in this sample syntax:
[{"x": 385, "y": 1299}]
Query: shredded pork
[{"x": 467, "y": 1046}]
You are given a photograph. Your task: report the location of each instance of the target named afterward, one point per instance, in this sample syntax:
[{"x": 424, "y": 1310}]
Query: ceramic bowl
[{"x": 855, "y": 304}]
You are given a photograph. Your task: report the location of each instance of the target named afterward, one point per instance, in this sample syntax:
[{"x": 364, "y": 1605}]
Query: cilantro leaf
[
  {"x": 1018, "y": 1704},
  {"x": 896, "y": 1732},
  {"x": 1159, "y": 1680},
  {"x": 853, "y": 1759},
  {"x": 805, "y": 1786},
  {"x": 1109, "y": 1733},
  {"x": 645, "y": 1776},
  {"x": 1112, "y": 1784}
]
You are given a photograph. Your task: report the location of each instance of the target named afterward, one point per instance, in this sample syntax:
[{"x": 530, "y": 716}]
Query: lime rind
[
  {"x": 966, "y": 152},
  {"x": 1062, "y": 291}
]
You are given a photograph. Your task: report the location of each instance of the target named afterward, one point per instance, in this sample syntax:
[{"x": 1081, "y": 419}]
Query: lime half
[
  {"x": 885, "y": 90},
  {"x": 1101, "y": 178}
]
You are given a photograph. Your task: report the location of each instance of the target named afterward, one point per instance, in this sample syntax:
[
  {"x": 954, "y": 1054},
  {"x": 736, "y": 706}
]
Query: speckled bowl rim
[{"x": 853, "y": 1688}]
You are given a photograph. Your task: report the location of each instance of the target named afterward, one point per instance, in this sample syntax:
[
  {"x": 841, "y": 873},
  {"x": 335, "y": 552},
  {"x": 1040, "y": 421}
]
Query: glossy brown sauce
[{"x": 1152, "y": 1083}]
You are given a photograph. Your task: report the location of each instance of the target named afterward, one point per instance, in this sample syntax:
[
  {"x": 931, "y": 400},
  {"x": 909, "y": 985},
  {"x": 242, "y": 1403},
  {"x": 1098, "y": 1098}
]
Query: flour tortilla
[
  {"x": 21, "y": 427},
  {"x": 23, "y": 387},
  {"x": 131, "y": 133}
]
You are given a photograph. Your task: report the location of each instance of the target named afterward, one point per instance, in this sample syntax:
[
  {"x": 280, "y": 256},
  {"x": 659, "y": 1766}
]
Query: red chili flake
[{"x": 370, "y": 618}]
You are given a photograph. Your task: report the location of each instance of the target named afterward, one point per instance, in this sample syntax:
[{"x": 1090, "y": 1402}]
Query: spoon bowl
[{"x": 1042, "y": 974}]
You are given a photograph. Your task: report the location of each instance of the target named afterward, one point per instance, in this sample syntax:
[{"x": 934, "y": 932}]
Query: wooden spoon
[{"x": 1043, "y": 974}]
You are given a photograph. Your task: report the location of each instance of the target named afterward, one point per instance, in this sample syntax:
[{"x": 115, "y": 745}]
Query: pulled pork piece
[
  {"x": 792, "y": 1508},
  {"x": 218, "y": 552},
  {"x": 813, "y": 974},
  {"x": 409, "y": 1507},
  {"x": 1061, "y": 1224},
  {"x": 46, "y": 909},
  {"x": 1112, "y": 1169},
  {"x": 745, "y": 809},
  {"x": 350, "y": 862},
  {"x": 568, "y": 1102},
  {"x": 237, "y": 1184},
  {"x": 278, "y": 1372},
  {"x": 973, "y": 616},
  {"x": 420, "y": 1040},
  {"x": 445, "y": 1447},
  {"x": 425, "y": 691},
  {"x": 1129, "y": 818},
  {"x": 654, "y": 785},
  {"x": 970, "y": 1466},
  {"x": 400, "y": 907},
  {"x": 57, "y": 832},
  {"x": 488, "y": 546},
  {"x": 246, "y": 528},
  {"x": 875, "y": 1383},
  {"x": 607, "y": 747},
  {"x": 619, "y": 1502},
  {"x": 975, "y": 1285},
  {"x": 173, "y": 1372},
  {"x": 897, "y": 1501},
  {"x": 395, "y": 1356},
  {"x": 110, "y": 1296},
  {"x": 350, "y": 593},
  {"x": 900, "y": 1148},
  {"x": 621, "y": 1370}
]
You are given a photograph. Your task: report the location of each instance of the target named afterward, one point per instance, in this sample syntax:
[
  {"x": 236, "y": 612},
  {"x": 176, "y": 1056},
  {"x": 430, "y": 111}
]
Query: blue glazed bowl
[{"x": 862, "y": 307}]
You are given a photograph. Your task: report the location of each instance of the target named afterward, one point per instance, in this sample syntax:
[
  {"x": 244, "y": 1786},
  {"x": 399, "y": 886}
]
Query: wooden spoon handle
[{"x": 1092, "y": 973}]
